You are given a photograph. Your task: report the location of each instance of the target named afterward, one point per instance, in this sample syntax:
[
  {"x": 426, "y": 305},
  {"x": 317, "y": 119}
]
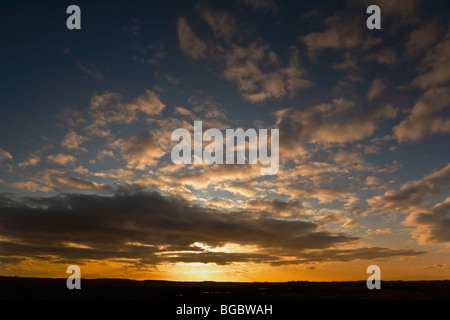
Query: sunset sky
[{"x": 86, "y": 176}]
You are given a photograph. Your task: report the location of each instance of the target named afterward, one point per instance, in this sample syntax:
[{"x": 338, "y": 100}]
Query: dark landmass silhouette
[{"x": 93, "y": 289}]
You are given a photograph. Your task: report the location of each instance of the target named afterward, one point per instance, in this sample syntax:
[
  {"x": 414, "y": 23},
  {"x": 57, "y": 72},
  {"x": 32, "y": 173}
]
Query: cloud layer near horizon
[{"x": 149, "y": 229}]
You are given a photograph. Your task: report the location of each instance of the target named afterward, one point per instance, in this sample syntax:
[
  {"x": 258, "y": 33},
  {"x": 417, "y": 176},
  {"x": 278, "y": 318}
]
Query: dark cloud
[
  {"x": 414, "y": 193},
  {"x": 433, "y": 225},
  {"x": 275, "y": 206},
  {"x": 369, "y": 253},
  {"x": 10, "y": 260},
  {"x": 152, "y": 229},
  {"x": 220, "y": 258}
]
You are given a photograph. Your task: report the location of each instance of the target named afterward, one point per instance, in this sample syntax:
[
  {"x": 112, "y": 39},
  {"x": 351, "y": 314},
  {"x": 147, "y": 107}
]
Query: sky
[{"x": 86, "y": 175}]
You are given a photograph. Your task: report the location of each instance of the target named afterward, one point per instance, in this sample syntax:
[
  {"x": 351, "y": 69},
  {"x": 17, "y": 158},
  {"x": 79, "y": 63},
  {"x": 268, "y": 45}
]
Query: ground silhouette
[{"x": 93, "y": 289}]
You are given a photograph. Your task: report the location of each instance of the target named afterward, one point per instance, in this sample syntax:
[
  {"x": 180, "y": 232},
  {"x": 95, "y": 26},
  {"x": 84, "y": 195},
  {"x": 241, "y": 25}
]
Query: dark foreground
[{"x": 41, "y": 288}]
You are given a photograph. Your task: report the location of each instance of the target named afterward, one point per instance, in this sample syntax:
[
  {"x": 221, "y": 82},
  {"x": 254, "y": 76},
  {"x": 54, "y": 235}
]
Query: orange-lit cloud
[{"x": 61, "y": 159}]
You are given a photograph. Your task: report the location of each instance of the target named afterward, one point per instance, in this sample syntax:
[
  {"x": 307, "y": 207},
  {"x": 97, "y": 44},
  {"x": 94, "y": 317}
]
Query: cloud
[
  {"x": 32, "y": 160},
  {"x": 246, "y": 188},
  {"x": 347, "y": 157},
  {"x": 72, "y": 118},
  {"x": 345, "y": 162},
  {"x": 384, "y": 56},
  {"x": 102, "y": 154},
  {"x": 255, "y": 69},
  {"x": 213, "y": 175},
  {"x": 149, "y": 229},
  {"x": 60, "y": 180},
  {"x": 173, "y": 80},
  {"x": 152, "y": 54},
  {"x": 304, "y": 130},
  {"x": 61, "y": 159},
  {"x": 343, "y": 31},
  {"x": 372, "y": 181},
  {"x": 332, "y": 218},
  {"x": 366, "y": 253},
  {"x": 31, "y": 186},
  {"x": 117, "y": 174},
  {"x": 209, "y": 108},
  {"x": 220, "y": 203},
  {"x": 108, "y": 108},
  {"x": 350, "y": 62},
  {"x": 436, "y": 65},
  {"x": 222, "y": 23},
  {"x": 5, "y": 155},
  {"x": 379, "y": 231},
  {"x": 424, "y": 118},
  {"x": 350, "y": 223},
  {"x": 432, "y": 225},
  {"x": 90, "y": 71},
  {"x": 376, "y": 88},
  {"x": 190, "y": 44},
  {"x": 421, "y": 39},
  {"x": 147, "y": 103},
  {"x": 412, "y": 194},
  {"x": 371, "y": 149},
  {"x": 139, "y": 151},
  {"x": 73, "y": 141},
  {"x": 315, "y": 168},
  {"x": 323, "y": 194},
  {"x": 329, "y": 123},
  {"x": 276, "y": 207},
  {"x": 243, "y": 68},
  {"x": 184, "y": 112}
]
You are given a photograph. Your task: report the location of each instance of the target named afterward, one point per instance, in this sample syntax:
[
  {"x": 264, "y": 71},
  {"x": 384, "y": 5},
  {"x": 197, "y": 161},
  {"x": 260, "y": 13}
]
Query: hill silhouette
[{"x": 94, "y": 289}]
